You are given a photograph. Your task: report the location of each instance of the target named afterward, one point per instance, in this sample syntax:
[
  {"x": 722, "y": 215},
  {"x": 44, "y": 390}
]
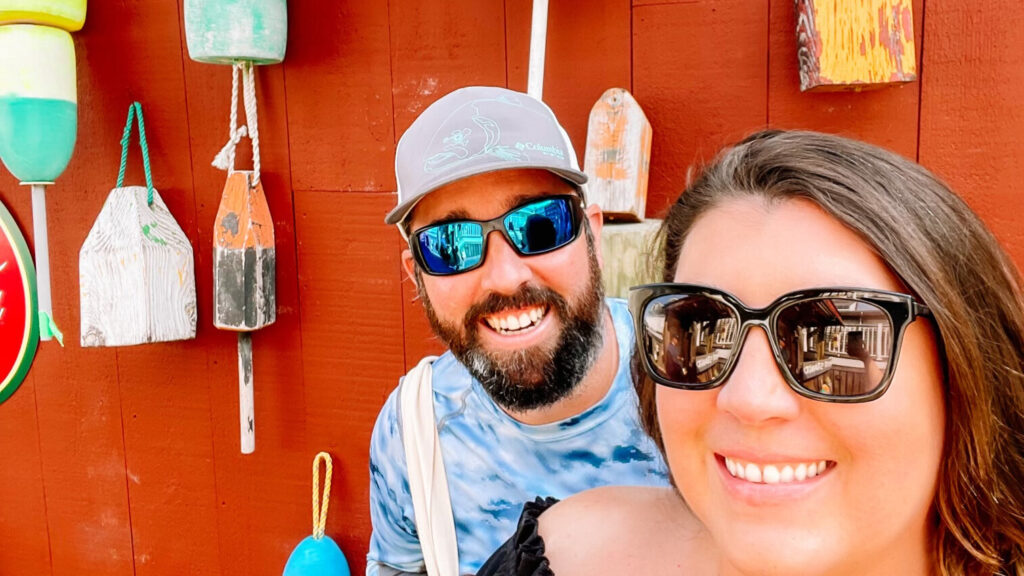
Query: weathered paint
[
  {"x": 624, "y": 249},
  {"x": 65, "y": 14},
  {"x": 244, "y": 259},
  {"x": 227, "y": 31},
  {"x": 855, "y": 44},
  {"x": 246, "y": 400},
  {"x": 136, "y": 287},
  {"x": 618, "y": 156}
]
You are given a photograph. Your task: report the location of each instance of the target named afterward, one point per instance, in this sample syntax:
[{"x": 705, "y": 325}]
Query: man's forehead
[{"x": 485, "y": 196}]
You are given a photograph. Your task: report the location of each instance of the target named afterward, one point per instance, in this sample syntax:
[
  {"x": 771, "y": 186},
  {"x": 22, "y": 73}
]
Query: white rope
[
  {"x": 249, "y": 78},
  {"x": 225, "y": 159}
]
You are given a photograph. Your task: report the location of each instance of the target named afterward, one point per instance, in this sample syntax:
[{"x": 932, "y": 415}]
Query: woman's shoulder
[{"x": 622, "y": 529}]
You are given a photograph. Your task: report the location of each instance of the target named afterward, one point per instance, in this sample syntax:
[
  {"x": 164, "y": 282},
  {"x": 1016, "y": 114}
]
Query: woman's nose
[{"x": 756, "y": 391}]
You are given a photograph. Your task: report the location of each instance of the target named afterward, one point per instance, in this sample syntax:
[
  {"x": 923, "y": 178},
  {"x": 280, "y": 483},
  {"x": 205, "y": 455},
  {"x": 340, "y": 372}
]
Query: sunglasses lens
[
  {"x": 542, "y": 226},
  {"x": 836, "y": 346},
  {"x": 451, "y": 248},
  {"x": 689, "y": 338}
]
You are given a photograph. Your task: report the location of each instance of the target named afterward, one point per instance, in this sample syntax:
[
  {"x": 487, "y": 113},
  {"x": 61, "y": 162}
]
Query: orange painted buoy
[{"x": 244, "y": 257}]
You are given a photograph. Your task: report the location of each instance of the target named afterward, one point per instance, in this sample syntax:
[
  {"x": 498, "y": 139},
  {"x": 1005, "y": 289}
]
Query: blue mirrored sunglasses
[{"x": 536, "y": 227}]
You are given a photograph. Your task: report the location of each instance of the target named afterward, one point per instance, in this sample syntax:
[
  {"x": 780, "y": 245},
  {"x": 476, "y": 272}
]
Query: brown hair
[{"x": 950, "y": 261}]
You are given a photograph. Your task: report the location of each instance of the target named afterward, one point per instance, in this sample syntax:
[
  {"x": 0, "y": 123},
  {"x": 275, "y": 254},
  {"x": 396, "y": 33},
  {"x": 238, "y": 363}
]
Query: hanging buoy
[
  {"x": 38, "y": 101},
  {"x": 318, "y": 555},
  {"x": 64, "y": 14},
  {"x": 38, "y": 128},
  {"x": 136, "y": 273},
  {"x": 229, "y": 31},
  {"x": 244, "y": 257}
]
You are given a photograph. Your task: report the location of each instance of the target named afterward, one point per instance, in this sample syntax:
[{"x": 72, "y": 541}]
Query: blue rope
[{"x": 135, "y": 109}]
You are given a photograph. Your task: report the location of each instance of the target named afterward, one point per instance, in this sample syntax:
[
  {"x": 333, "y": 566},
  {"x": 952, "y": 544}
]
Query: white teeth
[
  {"x": 753, "y": 473},
  {"x": 787, "y": 474},
  {"x": 514, "y": 322},
  {"x": 800, "y": 473},
  {"x": 775, "y": 473}
]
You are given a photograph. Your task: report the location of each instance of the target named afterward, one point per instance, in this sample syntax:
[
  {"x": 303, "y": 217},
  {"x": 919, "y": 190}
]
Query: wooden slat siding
[
  {"x": 855, "y": 45},
  {"x": 588, "y": 52},
  {"x": 437, "y": 46},
  {"x": 440, "y": 45},
  {"x": 165, "y": 404},
  {"x": 262, "y": 499},
  {"x": 26, "y": 547},
  {"x": 339, "y": 96},
  {"x": 700, "y": 74},
  {"x": 971, "y": 120},
  {"x": 352, "y": 345},
  {"x": 886, "y": 117}
]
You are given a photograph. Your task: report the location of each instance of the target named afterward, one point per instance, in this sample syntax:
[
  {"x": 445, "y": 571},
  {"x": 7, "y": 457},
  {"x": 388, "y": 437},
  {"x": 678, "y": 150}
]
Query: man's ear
[
  {"x": 595, "y": 216},
  {"x": 409, "y": 265}
]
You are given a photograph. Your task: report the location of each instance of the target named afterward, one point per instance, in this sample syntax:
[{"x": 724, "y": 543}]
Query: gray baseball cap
[{"x": 474, "y": 130}]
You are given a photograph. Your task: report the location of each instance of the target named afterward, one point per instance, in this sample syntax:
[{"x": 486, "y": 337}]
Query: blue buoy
[{"x": 313, "y": 557}]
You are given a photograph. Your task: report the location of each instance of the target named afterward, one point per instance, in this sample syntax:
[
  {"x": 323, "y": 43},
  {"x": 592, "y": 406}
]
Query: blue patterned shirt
[{"x": 495, "y": 463}]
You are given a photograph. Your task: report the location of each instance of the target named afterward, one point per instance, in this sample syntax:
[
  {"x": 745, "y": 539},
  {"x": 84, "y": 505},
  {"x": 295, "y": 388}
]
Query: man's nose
[{"x": 504, "y": 270}]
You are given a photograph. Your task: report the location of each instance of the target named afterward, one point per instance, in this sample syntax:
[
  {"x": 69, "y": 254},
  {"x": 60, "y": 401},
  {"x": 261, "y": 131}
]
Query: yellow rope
[{"x": 320, "y": 506}]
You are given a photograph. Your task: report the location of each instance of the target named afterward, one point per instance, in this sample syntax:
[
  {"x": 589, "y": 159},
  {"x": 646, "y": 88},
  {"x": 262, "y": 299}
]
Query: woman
[{"x": 857, "y": 402}]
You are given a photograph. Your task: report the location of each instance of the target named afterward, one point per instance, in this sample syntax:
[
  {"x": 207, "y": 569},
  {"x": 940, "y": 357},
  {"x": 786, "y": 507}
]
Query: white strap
[{"x": 427, "y": 481}]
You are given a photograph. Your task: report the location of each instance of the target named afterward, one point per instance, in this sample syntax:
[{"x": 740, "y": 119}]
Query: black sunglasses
[
  {"x": 537, "y": 226},
  {"x": 831, "y": 344}
]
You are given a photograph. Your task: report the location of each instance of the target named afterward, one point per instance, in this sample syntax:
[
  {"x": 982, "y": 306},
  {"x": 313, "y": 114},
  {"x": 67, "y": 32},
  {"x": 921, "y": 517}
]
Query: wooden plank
[
  {"x": 588, "y": 52},
  {"x": 971, "y": 123},
  {"x": 339, "y": 91},
  {"x": 262, "y": 501},
  {"x": 887, "y": 118},
  {"x": 700, "y": 74},
  {"x": 440, "y": 45},
  {"x": 352, "y": 349},
  {"x": 625, "y": 250},
  {"x": 855, "y": 45},
  {"x": 26, "y": 541}
]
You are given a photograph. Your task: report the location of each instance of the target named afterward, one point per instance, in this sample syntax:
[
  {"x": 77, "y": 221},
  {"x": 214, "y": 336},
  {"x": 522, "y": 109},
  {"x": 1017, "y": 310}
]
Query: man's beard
[{"x": 535, "y": 377}]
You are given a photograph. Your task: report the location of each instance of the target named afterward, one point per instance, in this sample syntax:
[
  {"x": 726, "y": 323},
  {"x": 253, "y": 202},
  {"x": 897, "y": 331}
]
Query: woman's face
[{"x": 869, "y": 511}]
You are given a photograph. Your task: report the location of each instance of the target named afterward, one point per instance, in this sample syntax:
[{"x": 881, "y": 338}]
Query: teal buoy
[
  {"x": 229, "y": 31},
  {"x": 313, "y": 557},
  {"x": 318, "y": 555}
]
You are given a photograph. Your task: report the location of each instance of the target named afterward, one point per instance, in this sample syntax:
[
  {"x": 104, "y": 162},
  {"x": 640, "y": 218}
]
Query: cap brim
[{"x": 402, "y": 210}]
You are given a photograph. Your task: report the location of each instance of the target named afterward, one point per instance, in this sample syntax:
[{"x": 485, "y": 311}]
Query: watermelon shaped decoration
[{"x": 19, "y": 317}]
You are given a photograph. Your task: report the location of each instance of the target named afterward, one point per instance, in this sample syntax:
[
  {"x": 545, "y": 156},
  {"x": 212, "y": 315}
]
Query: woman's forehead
[{"x": 760, "y": 250}]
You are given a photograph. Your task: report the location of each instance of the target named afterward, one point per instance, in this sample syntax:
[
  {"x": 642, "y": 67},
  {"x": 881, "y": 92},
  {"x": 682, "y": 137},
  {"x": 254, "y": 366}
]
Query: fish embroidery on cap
[{"x": 457, "y": 144}]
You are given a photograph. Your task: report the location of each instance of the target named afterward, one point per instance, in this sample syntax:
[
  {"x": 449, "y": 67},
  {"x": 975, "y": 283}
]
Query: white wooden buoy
[{"x": 136, "y": 269}]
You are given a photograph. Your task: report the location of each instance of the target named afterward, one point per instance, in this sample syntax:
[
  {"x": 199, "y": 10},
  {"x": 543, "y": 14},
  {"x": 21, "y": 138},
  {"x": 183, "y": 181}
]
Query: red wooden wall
[{"x": 125, "y": 461}]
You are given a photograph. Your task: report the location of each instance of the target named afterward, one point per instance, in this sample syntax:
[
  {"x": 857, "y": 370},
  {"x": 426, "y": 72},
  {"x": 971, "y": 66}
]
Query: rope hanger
[{"x": 225, "y": 159}]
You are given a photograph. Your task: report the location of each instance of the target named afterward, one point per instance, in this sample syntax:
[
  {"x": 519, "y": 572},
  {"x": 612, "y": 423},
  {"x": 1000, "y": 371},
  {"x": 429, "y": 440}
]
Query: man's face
[{"x": 527, "y": 327}]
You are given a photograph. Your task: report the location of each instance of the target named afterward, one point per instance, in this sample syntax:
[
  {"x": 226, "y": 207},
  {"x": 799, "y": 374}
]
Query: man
[{"x": 535, "y": 396}]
